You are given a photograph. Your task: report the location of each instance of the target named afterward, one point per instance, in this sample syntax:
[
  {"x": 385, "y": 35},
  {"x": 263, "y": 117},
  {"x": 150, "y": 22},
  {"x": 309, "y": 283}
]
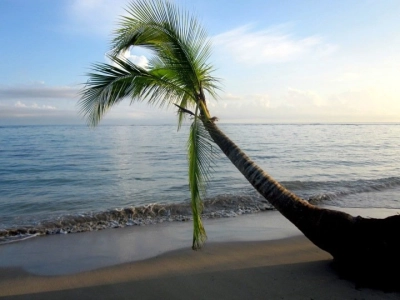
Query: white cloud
[
  {"x": 268, "y": 46},
  {"x": 34, "y": 105},
  {"x": 139, "y": 60},
  {"x": 20, "y": 104}
]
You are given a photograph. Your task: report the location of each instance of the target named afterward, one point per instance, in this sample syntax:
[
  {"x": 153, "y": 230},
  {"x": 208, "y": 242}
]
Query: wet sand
[{"x": 259, "y": 256}]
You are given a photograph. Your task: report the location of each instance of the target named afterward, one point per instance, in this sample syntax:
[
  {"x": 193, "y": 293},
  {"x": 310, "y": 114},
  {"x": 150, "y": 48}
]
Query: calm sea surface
[{"x": 52, "y": 173}]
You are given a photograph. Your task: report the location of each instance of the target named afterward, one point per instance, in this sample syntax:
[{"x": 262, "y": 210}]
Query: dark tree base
[
  {"x": 372, "y": 257},
  {"x": 380, "y": 278}
]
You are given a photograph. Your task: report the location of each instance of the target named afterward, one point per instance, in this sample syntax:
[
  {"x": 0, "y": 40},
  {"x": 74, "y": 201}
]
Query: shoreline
[
  {"x": 258, "y": 256},
  {"x": 290, "y": 268},
  {"x": 62, "y": 254}
]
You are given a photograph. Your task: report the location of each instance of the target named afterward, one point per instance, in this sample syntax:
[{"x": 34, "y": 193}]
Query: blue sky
[{"x": 279, "y": 61}]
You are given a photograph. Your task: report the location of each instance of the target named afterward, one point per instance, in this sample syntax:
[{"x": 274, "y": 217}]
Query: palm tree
[{"x": 178, "y": 74}]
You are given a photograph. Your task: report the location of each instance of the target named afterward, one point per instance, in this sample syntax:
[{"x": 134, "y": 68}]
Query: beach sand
[{"x": 260, "y": 256}]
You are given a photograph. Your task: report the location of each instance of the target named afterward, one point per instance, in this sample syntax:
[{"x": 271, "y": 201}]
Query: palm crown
[{"x": 178, "y": 73}]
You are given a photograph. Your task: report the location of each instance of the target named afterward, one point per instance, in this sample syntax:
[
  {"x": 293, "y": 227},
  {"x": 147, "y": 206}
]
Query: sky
[{"x": 279, "y": 61}]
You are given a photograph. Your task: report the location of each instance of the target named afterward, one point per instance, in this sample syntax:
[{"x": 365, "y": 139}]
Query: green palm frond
[
  {"x": 177, "y": 40},
  {"x": 180, "y": 51},
  {"x": 200, "y": 157},
  {"x": 109, "y": 84},
  {"x": 177, "y": 73}
]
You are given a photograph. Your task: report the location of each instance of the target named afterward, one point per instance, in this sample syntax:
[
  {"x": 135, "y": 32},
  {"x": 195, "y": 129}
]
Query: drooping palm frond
[{"x": 200, "y": 158}]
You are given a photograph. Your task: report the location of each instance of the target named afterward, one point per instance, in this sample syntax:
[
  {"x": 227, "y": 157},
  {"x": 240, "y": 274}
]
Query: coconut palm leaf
[
  {"x": 176, "y": 39},
  {"x": 200, "y": 157},
  {"x": 177, "y": 73},
  {"x": 110, "y": 84}
]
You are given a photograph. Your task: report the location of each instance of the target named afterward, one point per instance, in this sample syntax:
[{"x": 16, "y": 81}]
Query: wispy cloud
[
  {"x": 271, "y": 45},
  {"x": 297, "y": 105},
  {"x": 301, "y": 98},
  {"x": 34, "y": 105},
  {"x": 27, "y": 115},
  {"x": 38, "y": 104},
  {"x": 38, "y": 92},
  {"x": 97, "y": 17},
  {"x": 248, "y": 106}
]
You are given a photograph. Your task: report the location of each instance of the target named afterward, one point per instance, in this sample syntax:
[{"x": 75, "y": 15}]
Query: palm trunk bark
[{"x": 361, "y": 247}]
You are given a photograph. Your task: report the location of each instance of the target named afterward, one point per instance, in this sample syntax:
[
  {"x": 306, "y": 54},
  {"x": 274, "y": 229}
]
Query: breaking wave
[
  {"x": 339, "y": 189},
  {"x": 222, "y": 206}
]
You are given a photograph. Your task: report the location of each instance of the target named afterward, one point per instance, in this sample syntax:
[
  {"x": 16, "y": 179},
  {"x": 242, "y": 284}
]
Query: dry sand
[{"x": 256, "y": 266}]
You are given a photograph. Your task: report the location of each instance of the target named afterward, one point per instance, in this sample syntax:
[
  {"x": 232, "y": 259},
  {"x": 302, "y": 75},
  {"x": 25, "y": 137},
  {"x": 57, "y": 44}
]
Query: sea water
[{"x": 60, "y": 179}]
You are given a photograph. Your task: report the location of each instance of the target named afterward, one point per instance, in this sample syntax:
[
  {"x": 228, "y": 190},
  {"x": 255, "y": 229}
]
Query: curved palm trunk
[{"x": 361, "y": 247}]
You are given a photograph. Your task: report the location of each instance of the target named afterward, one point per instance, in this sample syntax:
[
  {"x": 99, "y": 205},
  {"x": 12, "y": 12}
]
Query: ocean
[{"x": 65, "y": 179}]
